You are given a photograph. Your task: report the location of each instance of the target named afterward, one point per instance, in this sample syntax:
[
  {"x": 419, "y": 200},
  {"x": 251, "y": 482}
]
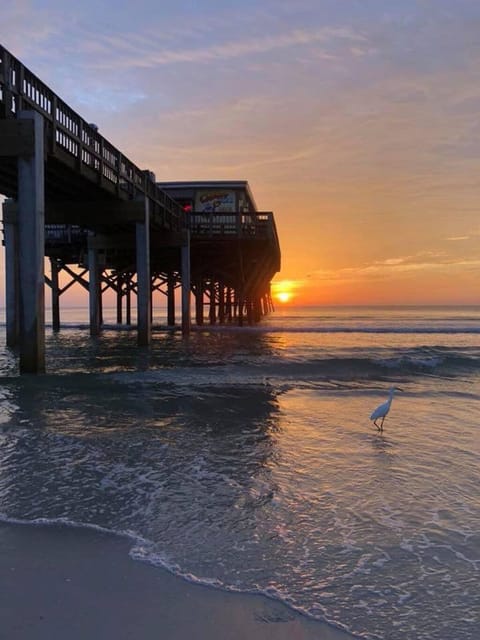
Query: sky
[{"x": 357, "y": 122}]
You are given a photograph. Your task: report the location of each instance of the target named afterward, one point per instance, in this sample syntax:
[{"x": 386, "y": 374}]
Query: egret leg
[{"x": 381, "y": 425}]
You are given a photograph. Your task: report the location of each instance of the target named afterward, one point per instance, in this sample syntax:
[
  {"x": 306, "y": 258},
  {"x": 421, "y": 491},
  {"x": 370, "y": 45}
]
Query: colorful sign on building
[{"x": 215, "y": 200}]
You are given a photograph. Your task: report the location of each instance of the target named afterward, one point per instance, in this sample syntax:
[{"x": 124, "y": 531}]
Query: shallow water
[{"x": 245, "y": 458}]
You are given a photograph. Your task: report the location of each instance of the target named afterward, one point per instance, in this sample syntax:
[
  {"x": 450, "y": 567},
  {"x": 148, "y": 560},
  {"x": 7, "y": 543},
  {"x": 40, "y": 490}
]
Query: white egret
[{"x": 383, "y": 409}]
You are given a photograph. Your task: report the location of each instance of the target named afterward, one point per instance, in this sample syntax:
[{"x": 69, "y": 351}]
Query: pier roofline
[{"x": 104, "y": 223}]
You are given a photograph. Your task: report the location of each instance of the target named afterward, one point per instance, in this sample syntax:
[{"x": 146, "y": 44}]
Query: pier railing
[
  {"x": 65, "y": 234},
  {"x": 77, "y": 143},
  {"x": 258, "y": 224}
]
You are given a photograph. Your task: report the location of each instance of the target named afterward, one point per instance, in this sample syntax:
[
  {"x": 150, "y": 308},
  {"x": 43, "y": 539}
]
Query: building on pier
[{"x": 234, "y": 249}]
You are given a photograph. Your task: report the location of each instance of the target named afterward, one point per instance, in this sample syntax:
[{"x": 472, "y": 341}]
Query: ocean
[{"x": 244, "y": 458}]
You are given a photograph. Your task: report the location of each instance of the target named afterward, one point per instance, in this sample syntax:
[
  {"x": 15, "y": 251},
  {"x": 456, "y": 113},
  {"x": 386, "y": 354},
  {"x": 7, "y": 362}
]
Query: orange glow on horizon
[
  {"x": 336, "y": 293},
  {"x": 283, "y": 291}
]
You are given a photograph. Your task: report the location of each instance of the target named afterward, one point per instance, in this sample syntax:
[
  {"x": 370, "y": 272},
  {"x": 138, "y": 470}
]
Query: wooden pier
[{"x": 106, "y": 224}]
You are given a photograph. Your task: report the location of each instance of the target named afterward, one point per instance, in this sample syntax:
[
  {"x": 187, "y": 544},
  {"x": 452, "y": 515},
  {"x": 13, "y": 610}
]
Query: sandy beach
[{"x": 59, "y": 582}]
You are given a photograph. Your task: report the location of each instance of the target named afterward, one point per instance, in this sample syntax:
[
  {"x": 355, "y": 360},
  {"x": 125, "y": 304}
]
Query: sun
[
  {"x": 284, "y": 296},
  {"x": 283, "y": 291}
]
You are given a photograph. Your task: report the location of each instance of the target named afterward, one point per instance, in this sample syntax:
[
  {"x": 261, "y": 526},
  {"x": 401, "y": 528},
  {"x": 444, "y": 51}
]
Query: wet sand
[{"x": 60, "y": 582}]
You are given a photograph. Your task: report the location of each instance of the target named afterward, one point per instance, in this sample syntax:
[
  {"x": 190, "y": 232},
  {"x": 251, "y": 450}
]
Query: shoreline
[{"x": 59, "y": 581}]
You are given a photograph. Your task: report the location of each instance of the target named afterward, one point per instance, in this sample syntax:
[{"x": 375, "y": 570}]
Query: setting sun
[
  {"x": 283, "y": 291},
  {"x": 283, "y": 296}
]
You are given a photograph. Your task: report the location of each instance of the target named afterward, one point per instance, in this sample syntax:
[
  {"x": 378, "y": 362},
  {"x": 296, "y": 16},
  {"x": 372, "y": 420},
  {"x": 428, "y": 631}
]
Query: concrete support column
[
  {"x": 10, "y": 236},
  {"x": 186, "y": 284},
  {"x": 119, "y": 291},
  {"x": 128, "y": 306},
  {"x": 212, "y": 310},
  {"x": 268, "y": 304},
  {"x": 228, "y": 305},
  {"x": 199, "y": 302},
  {"x": 170, "y": 300},
  {"x": 94, "y": 291},
  {"x": 250, "y": 312},
  {"x": 54, "y": 270},
  {"x": 31, "y": 249},
  {"x": 240, "y": 303},
  {"x": 264, "y": 304},
  {"x": 144, "y": 285},
  {"x": 221, "y": 303},
  {"x": 100, "y": 292},
  {"x": 257, "y": 308}
]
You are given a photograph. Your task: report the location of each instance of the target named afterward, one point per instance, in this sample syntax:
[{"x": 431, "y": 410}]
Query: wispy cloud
[
  {"x": 144, "y": 57},
  {"x": 391, "y": 268}
]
